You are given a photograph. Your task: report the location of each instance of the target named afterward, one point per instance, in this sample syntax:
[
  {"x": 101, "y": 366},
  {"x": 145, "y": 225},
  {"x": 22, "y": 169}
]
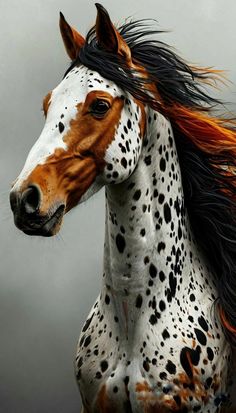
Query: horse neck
[{"x": 146, "y": 222}]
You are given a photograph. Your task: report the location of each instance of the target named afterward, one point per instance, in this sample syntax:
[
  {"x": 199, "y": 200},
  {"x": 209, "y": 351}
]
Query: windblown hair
[{"x": 206, "y": 144}]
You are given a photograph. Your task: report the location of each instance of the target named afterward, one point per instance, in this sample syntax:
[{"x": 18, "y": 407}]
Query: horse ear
[
  {"x": 107, "y": 35},
  {"x": 73, "y": 41}
]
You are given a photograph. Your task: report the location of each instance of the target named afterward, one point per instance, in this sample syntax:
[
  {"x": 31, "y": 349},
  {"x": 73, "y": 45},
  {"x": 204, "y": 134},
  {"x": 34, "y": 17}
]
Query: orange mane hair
[{"x": 208, "y": 133}]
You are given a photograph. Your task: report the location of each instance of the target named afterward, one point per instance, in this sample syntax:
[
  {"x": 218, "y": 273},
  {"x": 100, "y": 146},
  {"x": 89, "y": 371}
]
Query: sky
[{"x": 47, "y": 286}]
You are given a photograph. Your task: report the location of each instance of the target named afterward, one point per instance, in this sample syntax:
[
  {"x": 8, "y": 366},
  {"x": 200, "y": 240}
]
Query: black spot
[
  {"x": 209, "y": 382},
  {"x": 122, "y": 229},
  {"x": 163, "y": 375},
  {"x": 87, "y": 323},
  {"x": 157, "y": 214},
  {"x": 148, "y": 160},
  {"x": 87, "y": 341},
  {"x": 192, "y": 297},
  {"x": 120, "y": 243},
  {"x": 189, "y": 356},
  {"x": 152, "y": 271},
  {"x": 170, "y": 141},
  {"x": 107, "y": 299},
  {"x": 172, "y": 283},
  {"x": 177, "y": 206},
  {"x": 129, "y": 124},
  {"x": 167, "y": 213},
  {"x": 123, "y": 162},
  {"x": 171, "y": 367},
  {"x": 142, "y": 232},
  {"x": 162, "y": 276},
  {"x": 200, "y": 336},
  {"x": 162, "y": 164},
  {"x": 146, "y": 365},
  {"x": 203, "y": 323},
  {"x": 137, "y": 195},
  {"x": 165, "y": 334},
  {"x": 104, "y": 365},
  {"x": 179, "y": 232},
  {"x": 80, "y": 362},
  {"x": 126, "y": 380},
  {"x": 153, "y": 319},
  {"x": 115, "y": 174},
  {"x": 139, "y": 301},
  {"x": 122, "y": 147},
  {"x": 127, "y": 146},
  {"x": 161, "y": 246},
  {"x": 161, "y": 198},
  {"x": 210, "y": 354},
  {"x": 162, "y": 305},
  {"x": 61, "y": 127},
  {"x": 177, "y": 400}
]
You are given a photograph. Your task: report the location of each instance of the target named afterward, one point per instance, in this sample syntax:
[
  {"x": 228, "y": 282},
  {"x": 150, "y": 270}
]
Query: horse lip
[{"x": 46, "y": 229}]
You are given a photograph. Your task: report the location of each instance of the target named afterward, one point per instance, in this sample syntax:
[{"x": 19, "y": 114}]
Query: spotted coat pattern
[{"x": 152, "y": 341}]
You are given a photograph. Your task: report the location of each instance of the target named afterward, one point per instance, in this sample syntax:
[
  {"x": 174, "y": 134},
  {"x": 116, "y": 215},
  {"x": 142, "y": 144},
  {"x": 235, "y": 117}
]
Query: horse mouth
[{"x": 45, "y": 228}]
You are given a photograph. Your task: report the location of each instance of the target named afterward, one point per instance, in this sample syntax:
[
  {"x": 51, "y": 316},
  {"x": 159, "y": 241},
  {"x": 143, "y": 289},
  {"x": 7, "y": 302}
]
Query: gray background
[{"x": 47, "y": 286}]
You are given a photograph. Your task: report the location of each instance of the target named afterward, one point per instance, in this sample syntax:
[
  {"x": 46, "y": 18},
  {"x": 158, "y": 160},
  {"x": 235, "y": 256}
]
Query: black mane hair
[
  {"x": 177, "y": 81},
  {"x": 206, "y": 145}
]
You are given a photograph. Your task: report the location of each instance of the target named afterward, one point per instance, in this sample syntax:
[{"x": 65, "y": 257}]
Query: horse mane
[{"x": 206, "y": 143}]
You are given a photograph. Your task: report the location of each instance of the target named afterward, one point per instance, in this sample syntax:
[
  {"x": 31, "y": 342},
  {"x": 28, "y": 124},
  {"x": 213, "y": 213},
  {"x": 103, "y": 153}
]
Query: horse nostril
[{"x": 31, "y": 199}]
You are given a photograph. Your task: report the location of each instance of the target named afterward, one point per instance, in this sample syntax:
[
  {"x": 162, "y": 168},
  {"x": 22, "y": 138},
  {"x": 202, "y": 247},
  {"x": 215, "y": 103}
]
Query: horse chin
[{"x": 48, "y": 228}]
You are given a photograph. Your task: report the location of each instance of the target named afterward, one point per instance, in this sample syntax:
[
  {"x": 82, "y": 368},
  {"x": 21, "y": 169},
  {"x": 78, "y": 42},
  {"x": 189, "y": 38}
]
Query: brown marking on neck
[{"x": 142, "y": 120}]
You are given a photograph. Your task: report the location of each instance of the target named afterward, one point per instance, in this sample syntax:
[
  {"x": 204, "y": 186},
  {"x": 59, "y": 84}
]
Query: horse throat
[{"x": 146, "y": 225}]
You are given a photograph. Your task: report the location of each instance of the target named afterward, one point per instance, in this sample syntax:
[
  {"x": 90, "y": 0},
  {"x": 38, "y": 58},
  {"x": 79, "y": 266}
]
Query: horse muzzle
[{"x": 27, "y": 216}]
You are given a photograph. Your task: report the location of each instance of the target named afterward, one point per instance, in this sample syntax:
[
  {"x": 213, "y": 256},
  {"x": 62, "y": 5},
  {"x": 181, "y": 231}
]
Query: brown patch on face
[
  {"x": 46, "y": 103},
  {"x": 63, "y": 179},
  {"x": 90, "y": 134},
  {"x": 67, "y": 174}
]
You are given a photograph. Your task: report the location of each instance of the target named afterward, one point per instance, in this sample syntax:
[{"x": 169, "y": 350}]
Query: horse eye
[{"x": 99, "y": 107}]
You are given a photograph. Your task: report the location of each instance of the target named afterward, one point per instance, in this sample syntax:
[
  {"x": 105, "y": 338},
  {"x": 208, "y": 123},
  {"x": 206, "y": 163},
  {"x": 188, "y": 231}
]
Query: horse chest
[{"x": 127, "y": 364}]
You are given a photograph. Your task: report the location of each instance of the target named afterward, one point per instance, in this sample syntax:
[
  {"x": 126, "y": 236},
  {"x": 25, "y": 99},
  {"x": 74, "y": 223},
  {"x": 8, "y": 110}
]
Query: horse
[{"x": 133, "y": 116}]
